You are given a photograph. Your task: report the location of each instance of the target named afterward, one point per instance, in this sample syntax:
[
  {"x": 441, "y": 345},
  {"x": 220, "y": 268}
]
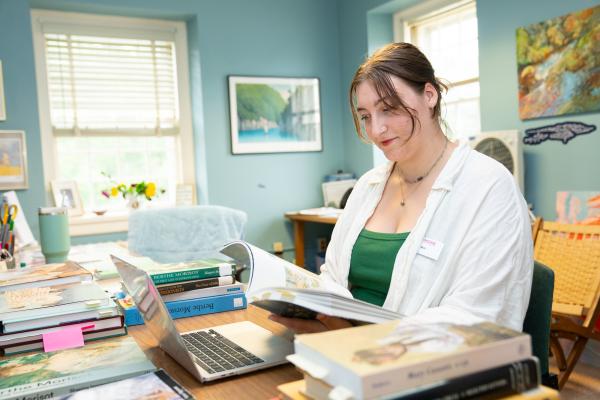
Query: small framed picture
[
  {"x": 274, "y": 115},
  {"x": 185, "y": 195},
  {"x": 13, "y": 160},
  {"x": 66, "y": 194}
]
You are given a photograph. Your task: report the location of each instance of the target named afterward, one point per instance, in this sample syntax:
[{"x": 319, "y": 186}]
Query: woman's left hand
[{"x": 321, "y": 324}]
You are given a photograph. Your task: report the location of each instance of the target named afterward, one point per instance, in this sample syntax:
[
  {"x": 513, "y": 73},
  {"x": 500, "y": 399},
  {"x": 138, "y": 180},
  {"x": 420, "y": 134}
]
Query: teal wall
[
  {"x": 259, "y": 37},
  {"x": 326, "y": 39},
  {"x": 549, "y": 166}
]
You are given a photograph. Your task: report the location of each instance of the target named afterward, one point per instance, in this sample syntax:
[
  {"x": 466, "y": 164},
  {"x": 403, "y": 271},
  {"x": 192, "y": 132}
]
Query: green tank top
[{"x": 372, "y": 263}]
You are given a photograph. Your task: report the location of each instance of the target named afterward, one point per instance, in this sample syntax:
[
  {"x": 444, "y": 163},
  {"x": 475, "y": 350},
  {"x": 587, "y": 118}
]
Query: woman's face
[{"x": 390, "y": 129}]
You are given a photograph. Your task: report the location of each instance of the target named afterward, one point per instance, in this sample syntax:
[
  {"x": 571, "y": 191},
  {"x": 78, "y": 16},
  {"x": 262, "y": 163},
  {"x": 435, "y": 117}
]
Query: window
[
  {"x": 446, "y": 32},
  {"x": 114, "y": 99}
]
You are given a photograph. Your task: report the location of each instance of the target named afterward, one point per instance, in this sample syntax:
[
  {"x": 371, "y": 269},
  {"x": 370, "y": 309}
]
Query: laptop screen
[{"x": 152, "y": 308}]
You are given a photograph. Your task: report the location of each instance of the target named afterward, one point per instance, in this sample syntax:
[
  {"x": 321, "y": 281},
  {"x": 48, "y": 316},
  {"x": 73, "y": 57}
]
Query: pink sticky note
[{"x": 63, "y": 339}]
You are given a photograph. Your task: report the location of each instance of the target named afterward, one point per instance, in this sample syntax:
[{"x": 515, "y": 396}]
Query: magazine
[{"x": 283, "y": 288}]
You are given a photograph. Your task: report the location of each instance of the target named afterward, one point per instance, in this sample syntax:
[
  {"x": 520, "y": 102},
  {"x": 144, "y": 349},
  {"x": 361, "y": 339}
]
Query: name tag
[{"x": 431, "y": 248}]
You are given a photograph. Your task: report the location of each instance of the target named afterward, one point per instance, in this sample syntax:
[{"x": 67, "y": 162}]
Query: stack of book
[
  {"x": 190, "y": 289},
  {"x": 402, "y": 360},
  {"x": 37, "y": 303}
]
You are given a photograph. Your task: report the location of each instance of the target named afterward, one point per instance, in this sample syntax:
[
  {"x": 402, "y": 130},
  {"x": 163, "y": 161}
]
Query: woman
[{"x": 441, "y": 233}]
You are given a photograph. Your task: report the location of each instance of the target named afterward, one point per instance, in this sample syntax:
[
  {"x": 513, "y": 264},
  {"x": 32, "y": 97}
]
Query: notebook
[{"x": 208, "y": 354}]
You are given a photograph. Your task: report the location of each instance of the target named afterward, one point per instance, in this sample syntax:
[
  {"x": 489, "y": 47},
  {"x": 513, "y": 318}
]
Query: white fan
[{"x": 505, "y": 147}]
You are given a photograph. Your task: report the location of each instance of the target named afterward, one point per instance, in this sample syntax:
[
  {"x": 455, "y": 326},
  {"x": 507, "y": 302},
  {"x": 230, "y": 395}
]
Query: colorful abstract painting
[
  {"x": 578, "y": 207},
  {"x": 559, "y": 65}
]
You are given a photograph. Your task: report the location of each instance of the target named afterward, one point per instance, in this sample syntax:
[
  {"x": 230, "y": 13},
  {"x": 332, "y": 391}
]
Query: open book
[{"x": 290, "y": 291}]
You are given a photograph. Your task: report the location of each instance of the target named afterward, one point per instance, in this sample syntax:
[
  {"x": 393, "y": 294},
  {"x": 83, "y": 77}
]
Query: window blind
[{"x": 111, "y": 86}]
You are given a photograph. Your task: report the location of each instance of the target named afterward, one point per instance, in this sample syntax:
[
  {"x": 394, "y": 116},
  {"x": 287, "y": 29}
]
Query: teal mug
[{"x": 54, "y": 233}]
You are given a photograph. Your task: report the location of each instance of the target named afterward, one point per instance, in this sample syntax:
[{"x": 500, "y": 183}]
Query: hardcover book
[
  {"x": 205, "y": 292},
  {"x": 379, "y": 360},
  {"x": 186, "y": 271},
  {"x": 47, "y": 375},
  {"x": 187, "y": 308},
  {"x": 43, "y": 275},
  {"x": 31, "y": 303},
  {"x": 156, "y": 385},
  {"x": 88, "y": 336},
  {"x": 491, "y": 384},
  {"x": 172, "y": 288},
  {"x": 290, "y": 291},
  {"x": 11, "y": 339}
]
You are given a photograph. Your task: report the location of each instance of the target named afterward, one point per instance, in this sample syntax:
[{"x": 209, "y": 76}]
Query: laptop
[{"x": 208, "y": 354}]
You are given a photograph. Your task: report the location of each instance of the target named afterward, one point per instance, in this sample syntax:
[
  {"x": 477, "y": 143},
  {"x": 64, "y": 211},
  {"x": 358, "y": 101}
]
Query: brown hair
[{"x": 404, "y": 61}]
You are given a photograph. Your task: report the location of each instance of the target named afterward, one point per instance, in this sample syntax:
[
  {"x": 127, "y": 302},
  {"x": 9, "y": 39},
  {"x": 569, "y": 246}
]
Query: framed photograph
[
  {"x": 274, "y": 115},
  {"x": 66, "y": 194},
  {"x": 2, "y": 102},
  {"x": 13, "y": 160}
]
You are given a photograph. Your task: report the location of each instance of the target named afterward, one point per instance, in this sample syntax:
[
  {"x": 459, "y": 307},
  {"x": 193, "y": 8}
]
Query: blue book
[{"x": 186, "y": 308}]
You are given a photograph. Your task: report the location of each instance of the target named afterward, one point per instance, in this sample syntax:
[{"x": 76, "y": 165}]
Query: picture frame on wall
[
  {"x": 13, "y": 160},
  {"x": 274, "y": 115},
  {"x": 66, "y": 194},
  {"x": 2, "y": 101}
]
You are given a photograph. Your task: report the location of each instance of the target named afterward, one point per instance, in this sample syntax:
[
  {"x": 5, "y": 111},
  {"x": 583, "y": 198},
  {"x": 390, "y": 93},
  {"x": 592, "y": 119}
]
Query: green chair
[{"x": 538, "y": 318}]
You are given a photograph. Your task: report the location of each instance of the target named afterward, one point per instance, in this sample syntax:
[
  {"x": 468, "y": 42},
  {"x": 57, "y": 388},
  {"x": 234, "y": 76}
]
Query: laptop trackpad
[{"x": 257, "y": 340}]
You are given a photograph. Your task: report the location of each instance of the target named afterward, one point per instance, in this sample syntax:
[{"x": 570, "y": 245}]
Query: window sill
[{"x": 92, "y": 224}]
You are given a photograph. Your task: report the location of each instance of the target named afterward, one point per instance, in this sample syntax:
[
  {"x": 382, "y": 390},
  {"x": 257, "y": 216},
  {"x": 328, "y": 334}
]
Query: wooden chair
[{"x": 573, "y": 253}]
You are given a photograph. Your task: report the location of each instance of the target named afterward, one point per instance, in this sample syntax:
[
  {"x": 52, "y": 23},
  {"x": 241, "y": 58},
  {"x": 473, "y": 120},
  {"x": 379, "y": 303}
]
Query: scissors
[{"x": 8, "y": 212}]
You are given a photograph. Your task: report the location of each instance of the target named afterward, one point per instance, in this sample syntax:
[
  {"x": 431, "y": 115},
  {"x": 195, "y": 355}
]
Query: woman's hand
[{"x": 321, "y": 324}]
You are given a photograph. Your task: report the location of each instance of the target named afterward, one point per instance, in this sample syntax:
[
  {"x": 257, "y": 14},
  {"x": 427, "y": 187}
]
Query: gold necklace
[{"x": 420, "y": 178}]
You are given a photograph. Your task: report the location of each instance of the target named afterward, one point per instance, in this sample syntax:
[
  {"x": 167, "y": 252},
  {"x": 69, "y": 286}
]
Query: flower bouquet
[{"x": 133, "y": 192}]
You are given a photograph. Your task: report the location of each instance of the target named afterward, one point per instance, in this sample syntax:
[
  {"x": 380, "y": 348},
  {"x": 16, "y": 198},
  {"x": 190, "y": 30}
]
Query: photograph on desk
[
  {"x": 283, "y": 288},
  {"x": 57, "y": 373}
]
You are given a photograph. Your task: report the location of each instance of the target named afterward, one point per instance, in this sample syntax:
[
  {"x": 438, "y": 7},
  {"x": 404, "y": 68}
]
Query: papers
[{"x": 322, "y": 211}]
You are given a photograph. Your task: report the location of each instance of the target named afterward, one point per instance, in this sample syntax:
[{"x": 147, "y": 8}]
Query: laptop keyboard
[{"x": 215, "y": 353}]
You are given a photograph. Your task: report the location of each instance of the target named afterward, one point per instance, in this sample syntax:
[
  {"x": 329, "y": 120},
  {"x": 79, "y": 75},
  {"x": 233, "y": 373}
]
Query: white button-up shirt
[{"x": 470, "y": 254}]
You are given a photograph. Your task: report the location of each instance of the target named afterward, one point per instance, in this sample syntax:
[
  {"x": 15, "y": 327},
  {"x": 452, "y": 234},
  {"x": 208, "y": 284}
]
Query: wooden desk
[
  {"x": 257, "y": 385},
  {"x": 298, "y": 220}
]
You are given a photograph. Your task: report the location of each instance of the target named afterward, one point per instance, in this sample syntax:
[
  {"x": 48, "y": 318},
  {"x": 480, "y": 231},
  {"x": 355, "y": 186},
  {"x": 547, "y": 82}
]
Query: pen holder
[
  {"x": 7, "y": 261},
  {"x": 54, "y": 233}
]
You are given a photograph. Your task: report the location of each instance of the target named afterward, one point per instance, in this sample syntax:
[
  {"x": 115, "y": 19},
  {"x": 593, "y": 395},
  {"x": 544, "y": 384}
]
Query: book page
[{"x": 268, "y": 270}]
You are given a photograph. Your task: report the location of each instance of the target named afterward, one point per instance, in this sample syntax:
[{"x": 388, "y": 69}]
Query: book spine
[
  {"x": 494, "y": 383},
  {"x": 206, "y": 292},
  {"x": 203, "y": 273},
  {"x": 192, "y": 308},
  {"x": 166, "y": 290},
  {"x": 454, "y": 365}
]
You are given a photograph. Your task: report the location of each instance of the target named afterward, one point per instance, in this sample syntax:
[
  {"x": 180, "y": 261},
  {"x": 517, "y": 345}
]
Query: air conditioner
[{"x": 505, "y": 147}]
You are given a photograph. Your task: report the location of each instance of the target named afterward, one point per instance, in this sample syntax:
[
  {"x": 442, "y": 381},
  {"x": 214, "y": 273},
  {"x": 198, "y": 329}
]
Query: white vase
[{"x": 133, "y": 203}]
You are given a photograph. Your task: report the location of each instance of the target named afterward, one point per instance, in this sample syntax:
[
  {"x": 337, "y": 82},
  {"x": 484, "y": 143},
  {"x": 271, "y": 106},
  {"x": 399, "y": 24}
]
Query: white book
[
  {"x": 373, "y": 361},
  {"x": 285, "y": 289}
]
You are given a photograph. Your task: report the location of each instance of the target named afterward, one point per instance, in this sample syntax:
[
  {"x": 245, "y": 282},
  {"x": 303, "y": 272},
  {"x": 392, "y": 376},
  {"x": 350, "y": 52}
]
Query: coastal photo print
[
  {"x": 273, "y": 115},
  {"x": 558, "y": 62}
]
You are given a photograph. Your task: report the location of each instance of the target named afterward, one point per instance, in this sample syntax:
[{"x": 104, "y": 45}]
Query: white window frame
[
  {"x": 90, "y": 224},
  {"x": 402, "y": 21}
]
